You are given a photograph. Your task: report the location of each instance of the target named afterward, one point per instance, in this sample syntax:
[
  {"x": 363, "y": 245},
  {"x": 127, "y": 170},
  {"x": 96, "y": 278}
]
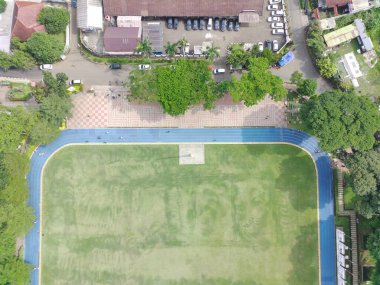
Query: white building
[
  {"x": 352, "y": 67},
  {"x": 90, "y": 14}
]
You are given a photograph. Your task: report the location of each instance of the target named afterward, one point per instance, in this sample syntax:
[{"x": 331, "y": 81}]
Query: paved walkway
[
  {"x": 108, "y": 107},
  {"x": 353, "y": 229}
]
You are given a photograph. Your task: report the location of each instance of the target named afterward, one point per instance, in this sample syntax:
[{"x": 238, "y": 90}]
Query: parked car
[
  {"x": 223, "y": 25},
  {"x": 274, "y": 2},
  {"x": 144, "y": 66},
  {"x": 74, "y": 3},
  {"x": 75, "y": 82},
  {"x": 169, "y": 23},
  {"x": 46, "y": 67},
  {"x": 261, "y": 46},
  {"x": 188, "y": 25},
  {"x": 278, "y": 13},
  {"x": 274, "y": 19},
  {"x": 175, "y": 23},
  {"x": 273, "y": 7},
  {"x": 237, "y": 26},
  {"x": 268, "y": 44},
  {"x": 115, "y": 66},
  {"x": 230, "y": 25},
  {"x": 216, "y": 24},
  {"x": 195, "y": 24},
  {"x": 278, "y": 32},
  {"x": 277, "y": 25},
  {"x": 219, "y": 71},
  {"x": 209, "y": 24},
  {"x": 201, "y": 24},
  {"x": 275, "y": 45}
]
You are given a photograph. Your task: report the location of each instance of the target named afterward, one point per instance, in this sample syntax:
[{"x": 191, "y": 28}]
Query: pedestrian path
[{"x": 353, "y": 228}]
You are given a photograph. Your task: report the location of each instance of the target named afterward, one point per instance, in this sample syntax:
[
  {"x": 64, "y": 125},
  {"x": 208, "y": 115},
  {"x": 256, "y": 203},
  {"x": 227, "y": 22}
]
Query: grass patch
[
  {"x": 20, "y": 92},
  {"x": 132, "y": 215},
  {"x": 349, "y": 198}
]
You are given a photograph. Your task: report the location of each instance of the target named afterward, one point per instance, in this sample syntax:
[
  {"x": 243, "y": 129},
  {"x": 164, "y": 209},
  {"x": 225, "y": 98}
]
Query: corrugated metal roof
[
  {"x": 341, "y": 35},
  {"x": 90, "y": 14},
  {"x": 180, "y": 8},
  {"x": 121, "y": 39}
]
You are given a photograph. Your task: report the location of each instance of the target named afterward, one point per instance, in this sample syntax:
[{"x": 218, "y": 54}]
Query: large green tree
[
  {"x": 55, "y": 109},
  {"x": 237, "y": 56},
  {"x": 307, "y": 87},
  {"x": 365, "y": 180},
  {"x": 3, "y": 5},
  {"x": 55, "y": 20},
  {"x": 327, "y": 67},
  {"x": 342, "y": 120},
  {"x": 257, "y": 83},
  {"x": 44, "y": 48}
]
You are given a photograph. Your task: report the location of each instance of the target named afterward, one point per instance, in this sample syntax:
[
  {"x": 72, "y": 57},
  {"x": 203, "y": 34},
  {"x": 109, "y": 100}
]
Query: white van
[
  {"x": 209, "y": 24},
  {"x": 75, "y": 82}
]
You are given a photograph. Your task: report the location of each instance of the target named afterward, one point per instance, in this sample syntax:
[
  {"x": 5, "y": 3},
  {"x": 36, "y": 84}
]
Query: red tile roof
[
  {"x": 180, "y": 8},
  {"x": 25, "y": 19},
  {"x": 121, "y": 39},
  {"x": 332, "y": 3}
]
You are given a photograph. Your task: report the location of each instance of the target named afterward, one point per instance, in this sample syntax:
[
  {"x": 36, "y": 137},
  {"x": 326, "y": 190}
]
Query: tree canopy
[
  {"x": 342, "y": 120},
  {"x": 307, "y": 87},
  {"x": 257, "y": 83},
  {"x": 44, "y": 48},
  {"x": 3, "y": 5},
  {"x": 365, "y": 180},
  {"x": 55, "y": 20}
]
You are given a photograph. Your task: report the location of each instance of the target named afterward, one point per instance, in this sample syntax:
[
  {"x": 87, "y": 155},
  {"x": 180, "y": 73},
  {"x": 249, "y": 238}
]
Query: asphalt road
[{"x": 298, "y": 21}]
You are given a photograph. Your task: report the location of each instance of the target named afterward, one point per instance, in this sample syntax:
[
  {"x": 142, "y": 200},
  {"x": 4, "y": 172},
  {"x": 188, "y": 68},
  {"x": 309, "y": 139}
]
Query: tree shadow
[{"x": 304, "y": 257}]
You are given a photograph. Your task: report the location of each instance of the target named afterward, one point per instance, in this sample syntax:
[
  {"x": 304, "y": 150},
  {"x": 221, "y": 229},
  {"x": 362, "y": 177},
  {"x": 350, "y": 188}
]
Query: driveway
[
  {"x": 302, "y": 62},
  {"x": 77, "y": 67}
]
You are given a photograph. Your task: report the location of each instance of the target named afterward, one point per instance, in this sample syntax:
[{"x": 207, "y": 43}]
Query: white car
[
  {"x": 273, "y": 7},
  {"x": 274, "y": 19},
  {"x": 144, "y": 66},
  {"x": 275, "y": 45},
  {"x": 46, "y": 66},
  {"x": 278, "y": 13},
  {"x": 277, "y": 25},
  {"x": 278, "y": 32},
  {"x": 219, "y": 71},
  {"x": 274, "y": 2},
  {"x": 261, "y": 46}
]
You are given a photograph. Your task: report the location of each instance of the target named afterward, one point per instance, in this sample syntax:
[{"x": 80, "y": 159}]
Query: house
[
  {"x": 25, "y": 20},
  {"x": 90, "y": 15},
  {"x": 356, "y": 30},
  {"x": 363, "y": 39},
  {"x": 181, "y": 8},
  {"x": 336, "y": 4},
  {"x": 121, "y": 40}
]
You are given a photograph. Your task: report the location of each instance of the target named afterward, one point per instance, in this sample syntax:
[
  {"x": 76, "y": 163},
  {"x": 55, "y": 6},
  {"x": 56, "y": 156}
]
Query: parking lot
[{"x": 256, "y": 32}]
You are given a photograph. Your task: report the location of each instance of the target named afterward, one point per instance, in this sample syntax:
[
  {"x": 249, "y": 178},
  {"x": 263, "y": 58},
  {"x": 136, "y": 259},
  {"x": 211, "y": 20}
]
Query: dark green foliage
[
  {"x": 3, "y": 5},
  {"x": 365, "y": 180},
  {"x": 307, "y": 87},
  {"x": 373, "y": 244},
  {"x": 296, "y": 77},
  {"x": 43, "y": 132},
  {"x": 257, "y": 83},
  {"x": 315, "y": 41},
  {"x": 54, "y": 19},
  {"x": 44, "y": 48},
  {"x": 56, "y": 104},
  {"x": 237, "y": 56},
  {"x": 17, "y": 59},
  {"x": 371, "y": 18},
  {"x": 342, "y": 120}
]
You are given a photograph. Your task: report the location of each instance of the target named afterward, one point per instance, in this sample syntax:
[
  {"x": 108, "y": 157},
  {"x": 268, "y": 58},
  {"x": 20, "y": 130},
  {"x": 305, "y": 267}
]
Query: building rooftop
[
  {"x": 90, "y": 14},
  {"x": 121, "y": 40},
  {"x": 341, "y": 35},
  {"x": 180, "y": 8},
  {"x": 25, "y": 19}
]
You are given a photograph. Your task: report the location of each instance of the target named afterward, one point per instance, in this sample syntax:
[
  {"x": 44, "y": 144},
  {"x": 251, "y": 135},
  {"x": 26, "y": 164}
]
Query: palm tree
[
  {"x": 144, "y": 47},
  {"x": 182, "y": 44},
  {"x": 170, "y": 49},
  {"x": 212, "y": 52}
]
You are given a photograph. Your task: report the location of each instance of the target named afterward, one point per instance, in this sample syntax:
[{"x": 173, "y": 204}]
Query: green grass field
[{"x": 132, "y": 215}]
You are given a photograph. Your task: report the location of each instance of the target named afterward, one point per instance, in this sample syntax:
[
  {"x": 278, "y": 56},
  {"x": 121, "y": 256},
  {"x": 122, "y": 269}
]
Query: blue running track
[{"x": 227, "y": 135}]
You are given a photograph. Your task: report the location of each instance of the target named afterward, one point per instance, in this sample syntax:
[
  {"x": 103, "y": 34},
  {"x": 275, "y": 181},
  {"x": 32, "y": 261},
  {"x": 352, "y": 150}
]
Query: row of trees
[
  {"x": 38, "y": 126},
  {"x": 186, "y": 83}
]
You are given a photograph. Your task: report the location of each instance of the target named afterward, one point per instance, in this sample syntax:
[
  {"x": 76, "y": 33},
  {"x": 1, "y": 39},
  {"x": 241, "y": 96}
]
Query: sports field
[{"x": 132, "y": 215}]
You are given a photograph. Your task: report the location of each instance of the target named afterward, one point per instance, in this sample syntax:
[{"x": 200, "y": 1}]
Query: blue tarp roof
[{"x": 288, "y": 57}]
